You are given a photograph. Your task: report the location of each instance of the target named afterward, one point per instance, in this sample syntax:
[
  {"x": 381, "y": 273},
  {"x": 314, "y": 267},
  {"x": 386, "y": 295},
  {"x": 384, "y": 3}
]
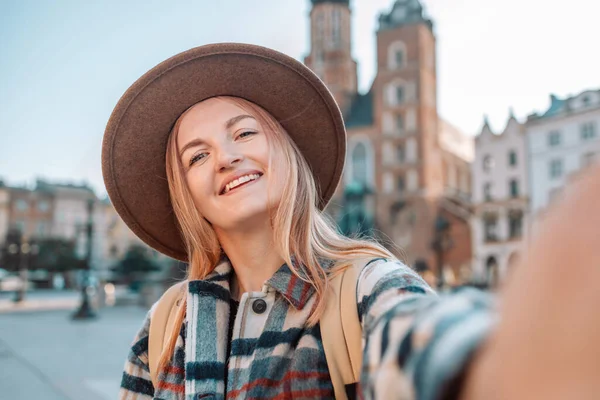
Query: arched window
[
  {"x": 396, "y": 55},
  {"x": 359, "y": 163},
  {"x": 412, "y": 178},
  {"x": 336, "y": 26},
  {"x": 395, "y": 93}
]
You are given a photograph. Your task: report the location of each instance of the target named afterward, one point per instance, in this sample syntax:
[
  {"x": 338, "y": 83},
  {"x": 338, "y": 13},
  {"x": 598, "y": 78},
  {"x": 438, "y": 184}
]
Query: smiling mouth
[{"x": 240, "y": 182}]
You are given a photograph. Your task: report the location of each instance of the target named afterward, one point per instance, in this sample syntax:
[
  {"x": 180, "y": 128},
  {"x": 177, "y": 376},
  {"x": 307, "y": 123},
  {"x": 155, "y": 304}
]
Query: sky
[{"x": 65, "y": 63}]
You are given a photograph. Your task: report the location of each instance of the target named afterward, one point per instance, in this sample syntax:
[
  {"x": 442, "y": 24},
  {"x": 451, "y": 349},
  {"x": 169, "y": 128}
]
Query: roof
[
  {"x": 404, "y": 12},
  {"x": 571, "y": 104},
  {"x": 556, "y": 105},
  {"x": 361, "y": 111}
]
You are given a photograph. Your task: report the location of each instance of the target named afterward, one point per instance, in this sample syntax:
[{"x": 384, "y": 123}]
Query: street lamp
[
  {"x": 85, "y": 310},
  {"x": 24, "y": 249},
  {"x": 440, "y": 245}
]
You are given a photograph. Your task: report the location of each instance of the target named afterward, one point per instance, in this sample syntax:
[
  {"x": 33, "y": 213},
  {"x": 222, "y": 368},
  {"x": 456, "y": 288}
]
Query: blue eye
[
  {"x": 196, "y": 158},
  {"x": 246, "y": 134}
]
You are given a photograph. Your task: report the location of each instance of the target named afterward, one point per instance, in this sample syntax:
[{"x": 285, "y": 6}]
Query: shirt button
[
  {"x": 259, "y": 306},
  {"x": 205, "y": 396}
]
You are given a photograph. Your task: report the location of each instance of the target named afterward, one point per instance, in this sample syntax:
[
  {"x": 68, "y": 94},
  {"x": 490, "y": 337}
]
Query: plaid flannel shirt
[{"x": 415, "y": 344}]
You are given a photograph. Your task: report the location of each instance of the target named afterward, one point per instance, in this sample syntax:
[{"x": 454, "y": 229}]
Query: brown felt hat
[{"x": 135, "y": 140}]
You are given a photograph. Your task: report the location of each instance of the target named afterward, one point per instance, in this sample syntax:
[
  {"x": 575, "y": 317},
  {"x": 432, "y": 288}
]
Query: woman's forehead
[{"x": 210, "y": 117}]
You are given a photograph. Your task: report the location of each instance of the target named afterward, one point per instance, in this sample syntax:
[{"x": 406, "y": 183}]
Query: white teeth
[{"x": 239, "y": 181}]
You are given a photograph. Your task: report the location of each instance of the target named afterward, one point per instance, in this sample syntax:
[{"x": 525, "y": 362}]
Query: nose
[{"x": 228, "y": 159}]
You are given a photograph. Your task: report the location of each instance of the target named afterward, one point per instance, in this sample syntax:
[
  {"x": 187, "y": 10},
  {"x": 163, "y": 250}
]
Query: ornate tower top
[{"x": 404, "y": 12}]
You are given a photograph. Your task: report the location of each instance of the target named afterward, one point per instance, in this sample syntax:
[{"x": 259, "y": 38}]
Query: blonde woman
[{"x": 224, "y": 157}]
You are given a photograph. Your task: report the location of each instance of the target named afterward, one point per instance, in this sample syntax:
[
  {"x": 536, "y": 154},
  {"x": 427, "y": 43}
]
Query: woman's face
[{"x": 225, "y": 156}]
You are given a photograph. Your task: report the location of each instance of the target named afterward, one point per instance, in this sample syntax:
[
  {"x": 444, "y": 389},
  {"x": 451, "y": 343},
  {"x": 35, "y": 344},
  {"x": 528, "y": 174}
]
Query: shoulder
[{"x": 388, "y": 273}]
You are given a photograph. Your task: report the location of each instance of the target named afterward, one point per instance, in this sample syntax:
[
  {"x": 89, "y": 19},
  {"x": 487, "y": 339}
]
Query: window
[
  {"x": 22, "y": 205},
  {"x": 512, "y": 158},
  {"x": 399, "y": 58},
  {"x": 515, "y": 224},
  {"x": 395, "y": 94},
  {"x": 411, "y": 150},
  {"x": 43, "y": 206},
  {"x": 399, "y": 123},
  {"x": 336, "y": 26},
  {"x": 400, "y": 155},
  {"x": 487, "y": 191},
  {"x": 399, "y": 95},
  {"x": 514, "y": 188},
  {"x": 396, "y": 55},
  {"x": 412, "y": 180},
  {"x": 556, "y": 169},
  {"x": 400, "y": 185},
  {"x": 588, "y": 131},
  {"x": 490, "y": 224},
  {"x": 388, "y": 182},
  {"x": 320, "y": 26},
  {"x": 488, "y": 163},
  {"x": 359, "y": 163},
  {"x": 554, "y": 138},
  {"x": 586, "y": 101}
]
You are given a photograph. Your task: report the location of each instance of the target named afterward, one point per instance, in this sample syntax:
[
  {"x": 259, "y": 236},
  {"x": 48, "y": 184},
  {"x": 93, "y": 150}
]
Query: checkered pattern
[{"x": 415, "y": 343}]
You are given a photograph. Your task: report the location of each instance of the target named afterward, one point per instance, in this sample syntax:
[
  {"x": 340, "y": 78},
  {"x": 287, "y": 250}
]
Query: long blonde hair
[{"x": 301, "y": 230}]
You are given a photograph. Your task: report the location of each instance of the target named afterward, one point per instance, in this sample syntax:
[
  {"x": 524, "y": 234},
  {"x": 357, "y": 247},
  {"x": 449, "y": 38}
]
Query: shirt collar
[{"x": 295, "y": 290}]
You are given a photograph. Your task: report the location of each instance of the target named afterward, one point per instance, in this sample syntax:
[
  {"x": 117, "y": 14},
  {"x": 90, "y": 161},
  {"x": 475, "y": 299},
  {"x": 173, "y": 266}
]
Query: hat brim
[{"x": 134, "y": 145}]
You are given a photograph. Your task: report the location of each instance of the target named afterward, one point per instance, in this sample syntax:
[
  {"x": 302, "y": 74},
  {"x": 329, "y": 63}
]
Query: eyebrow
[{"x": 230, "y": 122}]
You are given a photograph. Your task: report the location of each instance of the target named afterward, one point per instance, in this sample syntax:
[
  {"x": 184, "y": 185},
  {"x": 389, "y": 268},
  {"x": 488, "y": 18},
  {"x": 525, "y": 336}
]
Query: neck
[{"x": 253, "y": 257}]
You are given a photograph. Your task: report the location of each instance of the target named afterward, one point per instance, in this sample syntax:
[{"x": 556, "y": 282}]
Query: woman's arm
[
  {"x": 136, "y": 383},
  {"x": 416, "y": 344}
]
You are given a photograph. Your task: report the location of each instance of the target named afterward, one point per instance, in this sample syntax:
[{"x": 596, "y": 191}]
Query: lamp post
[
  {"x": 85, "y": 310},
  {"x": 440, "y": 244},
  {"x": 24, "y": 249}
]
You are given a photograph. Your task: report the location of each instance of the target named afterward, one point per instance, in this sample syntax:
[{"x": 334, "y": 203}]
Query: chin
[{"x": 247, "y": 215}]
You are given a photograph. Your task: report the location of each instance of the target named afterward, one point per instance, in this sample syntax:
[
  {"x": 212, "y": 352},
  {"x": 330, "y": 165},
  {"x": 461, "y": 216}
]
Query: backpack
[{"x": 341, "y": 331}]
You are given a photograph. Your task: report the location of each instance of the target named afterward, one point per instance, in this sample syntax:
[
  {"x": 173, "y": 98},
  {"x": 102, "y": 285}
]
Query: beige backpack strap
[
  {"x": 162, "y": 324},
  {"x": 341, "y": 331}
]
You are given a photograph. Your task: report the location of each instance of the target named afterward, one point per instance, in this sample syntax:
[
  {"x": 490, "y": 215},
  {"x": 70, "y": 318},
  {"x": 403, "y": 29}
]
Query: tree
[
  {"x": 10, "y": 255},
  {"x": 135, "y": 265},
  {"x": 56, "y": 255}
]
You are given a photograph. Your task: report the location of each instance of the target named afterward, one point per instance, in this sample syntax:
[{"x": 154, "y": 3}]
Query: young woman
[{"x": 224, "y": 156}]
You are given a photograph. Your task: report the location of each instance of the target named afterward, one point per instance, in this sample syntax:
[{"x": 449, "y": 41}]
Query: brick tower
[
  {"x": 330, "y": 51},
  {"x": 405, "y": 113}
]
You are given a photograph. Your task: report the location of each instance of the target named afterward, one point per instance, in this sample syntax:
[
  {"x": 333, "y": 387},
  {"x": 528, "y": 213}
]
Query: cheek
[{"x": 199, "y": 186}]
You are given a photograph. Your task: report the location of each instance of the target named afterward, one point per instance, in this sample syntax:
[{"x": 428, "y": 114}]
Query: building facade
[
  {"x": 561, "y": 142},
  {"x": 500, "y": 200},
  {"x": 398, "y": 149},
  {"x": 61, "y": 211}
]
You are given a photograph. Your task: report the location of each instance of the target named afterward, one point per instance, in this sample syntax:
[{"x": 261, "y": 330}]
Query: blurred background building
[
  {"x": 53, "y": 217},
  {"x": 561, "y": 141},
  {"x": 500, "y": 199},
  {"x": 406, "y": 168},
  {"x": 456, "y": 208}
]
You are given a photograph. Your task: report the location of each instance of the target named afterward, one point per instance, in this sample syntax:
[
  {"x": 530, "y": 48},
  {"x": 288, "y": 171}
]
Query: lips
[{"x": 239, "y": 180}]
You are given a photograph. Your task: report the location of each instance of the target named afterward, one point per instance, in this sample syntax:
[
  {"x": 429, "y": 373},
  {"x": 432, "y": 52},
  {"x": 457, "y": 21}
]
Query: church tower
[
  {"x": 410, "y": 175},
  {"x": 330, "y": 50}
]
